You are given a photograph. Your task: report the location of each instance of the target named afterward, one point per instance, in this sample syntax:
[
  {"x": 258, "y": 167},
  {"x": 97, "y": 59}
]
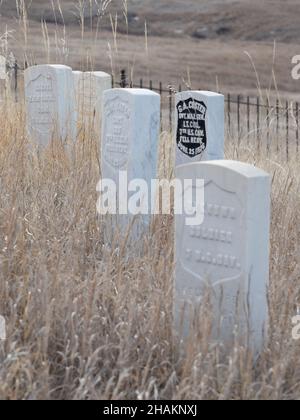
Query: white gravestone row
[
  {"x": 229, "y": 252},
  {"x": 58, "y": 99},
  {"x": 199, "y": 126},
  {"x": 89, "y": 89},
  {"x": 50, "y": 103}
]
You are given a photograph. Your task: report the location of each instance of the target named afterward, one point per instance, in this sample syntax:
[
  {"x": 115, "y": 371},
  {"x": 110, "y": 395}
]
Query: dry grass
[{"x": 89, "y": 322}]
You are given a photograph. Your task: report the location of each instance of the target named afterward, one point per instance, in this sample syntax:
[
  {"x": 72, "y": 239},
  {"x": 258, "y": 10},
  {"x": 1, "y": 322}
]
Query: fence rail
[{"x": 265, "y": 123}]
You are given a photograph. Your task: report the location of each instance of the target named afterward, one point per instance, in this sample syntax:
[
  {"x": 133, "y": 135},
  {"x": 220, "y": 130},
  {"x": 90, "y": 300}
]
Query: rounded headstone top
[
  {"x": 242, "y": 168},
  {"x": 98, "y": 73},
  {"x": 201, "y": 92},
  {"x": 136, "y": 92},
  {"x": 49, "y": 67}
]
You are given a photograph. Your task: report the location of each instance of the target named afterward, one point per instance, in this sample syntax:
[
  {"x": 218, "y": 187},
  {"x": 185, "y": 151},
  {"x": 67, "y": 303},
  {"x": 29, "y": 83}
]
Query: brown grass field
[{"x": 86, "y": 321}]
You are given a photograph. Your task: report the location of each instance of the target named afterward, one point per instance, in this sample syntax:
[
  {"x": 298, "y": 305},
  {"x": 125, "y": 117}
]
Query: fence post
[
  {"x": 170, "y": 109},
  {"x": 248, "y": 117},
  {"x": 239, "y": 118},
  {"x": 161, "y": 106},
  {"x": 123, "y": 82}
]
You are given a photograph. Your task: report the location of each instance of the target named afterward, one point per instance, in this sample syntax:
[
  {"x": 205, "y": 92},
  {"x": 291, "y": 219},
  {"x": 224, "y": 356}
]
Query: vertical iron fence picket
[
  {"x": 170, "y": 109},
  {"x": 239, "y": 119},
  {"x": 248, "y": 118}
]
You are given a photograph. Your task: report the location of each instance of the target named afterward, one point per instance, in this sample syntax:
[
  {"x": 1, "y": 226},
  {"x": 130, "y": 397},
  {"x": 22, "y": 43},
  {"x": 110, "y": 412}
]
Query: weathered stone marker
[
  {"x": 229, "y": 252},
  {"x": 49, "y": 95},
  {"x": 199, "y": 126},
  {"x": 89, "y": 89},
  {"x": 130, "y": 134}
]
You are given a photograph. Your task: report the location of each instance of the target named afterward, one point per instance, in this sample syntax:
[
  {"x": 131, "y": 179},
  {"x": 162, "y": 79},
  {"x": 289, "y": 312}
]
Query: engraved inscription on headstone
[
  {"x": 117, "y": 119},
  {"x": 223, "y": 253},
  {"x": 212, "y": 250},
  {"x": 41, "y": 104},
  {"x": 199, "y": 126},
  {"x": 130, "y": 133},
  {"x": 191, "y": 129}
]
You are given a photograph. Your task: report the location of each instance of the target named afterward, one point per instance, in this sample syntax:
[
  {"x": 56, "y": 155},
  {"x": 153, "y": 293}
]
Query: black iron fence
[
  {"x": 264, "y": 123},
  {"x": 270, "y": 124}
]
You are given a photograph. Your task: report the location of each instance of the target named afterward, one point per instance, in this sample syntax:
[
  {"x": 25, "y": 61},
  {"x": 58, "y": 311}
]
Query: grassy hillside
[
  {"x": 203, "y": 44},
  {"x": 203, "y": 19}
]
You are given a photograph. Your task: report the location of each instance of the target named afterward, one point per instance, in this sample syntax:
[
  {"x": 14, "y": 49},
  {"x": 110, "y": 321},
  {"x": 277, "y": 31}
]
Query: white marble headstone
[
  {"x": 199, "y": 134},
  {"x": 130, "y": 134},
  {"x": 50, "y": 103},
  {"x": 89, "y": 89},
  {"x": 131, "y": 120},
  {"x": 229, "y": 252}
]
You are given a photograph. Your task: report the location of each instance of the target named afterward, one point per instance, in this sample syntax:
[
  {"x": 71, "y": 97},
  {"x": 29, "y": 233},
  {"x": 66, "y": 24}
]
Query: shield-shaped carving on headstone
[
  {"x": 116, "y": 129},
  {"x": 191, "y": 127}
]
